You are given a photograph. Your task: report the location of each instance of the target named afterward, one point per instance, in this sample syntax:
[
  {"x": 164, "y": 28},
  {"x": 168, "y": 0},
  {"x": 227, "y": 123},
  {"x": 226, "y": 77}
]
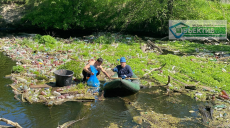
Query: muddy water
[
  {"x": 98, "y": 114},
  {"x": 121, "y": 110}
]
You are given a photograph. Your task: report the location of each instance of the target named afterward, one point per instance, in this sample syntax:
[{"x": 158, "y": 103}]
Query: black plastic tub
[{"x": 63, "y": 77}]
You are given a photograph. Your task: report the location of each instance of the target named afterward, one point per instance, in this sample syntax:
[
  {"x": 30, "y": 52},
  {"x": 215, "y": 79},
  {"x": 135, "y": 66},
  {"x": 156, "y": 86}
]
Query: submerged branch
[
  {"x": 67, "y": 124},
  {"x": 15, "y": 124}
]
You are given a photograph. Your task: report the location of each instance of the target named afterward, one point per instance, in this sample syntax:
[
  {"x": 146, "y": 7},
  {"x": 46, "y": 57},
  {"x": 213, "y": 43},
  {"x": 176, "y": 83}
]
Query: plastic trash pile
[
  {"x": 36, "y": 64},
  {"x": 39, "y": 66}
]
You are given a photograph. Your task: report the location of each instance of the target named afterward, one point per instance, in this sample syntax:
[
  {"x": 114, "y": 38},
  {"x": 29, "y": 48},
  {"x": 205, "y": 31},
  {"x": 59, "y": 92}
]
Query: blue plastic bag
[{"x": 93, "y": 81}]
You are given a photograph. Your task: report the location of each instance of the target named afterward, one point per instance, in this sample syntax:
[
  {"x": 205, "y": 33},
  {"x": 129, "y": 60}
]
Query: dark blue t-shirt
[{"x": 124, "y": 71}]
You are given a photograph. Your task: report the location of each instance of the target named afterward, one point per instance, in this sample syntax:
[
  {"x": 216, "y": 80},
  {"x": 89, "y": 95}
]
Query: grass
[
  {"x": 190, "y": 47},
  {"x": 187, "y": 69}
]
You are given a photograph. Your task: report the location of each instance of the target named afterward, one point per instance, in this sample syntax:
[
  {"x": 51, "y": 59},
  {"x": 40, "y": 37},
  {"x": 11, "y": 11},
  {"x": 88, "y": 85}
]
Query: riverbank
[
  {"x": 38, "y": 56},
  {"x": 45, "y": 53}
]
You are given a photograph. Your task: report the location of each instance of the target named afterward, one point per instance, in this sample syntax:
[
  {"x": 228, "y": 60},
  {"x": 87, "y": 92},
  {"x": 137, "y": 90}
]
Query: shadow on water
[
  {"x": 117, "y": 92},
  {"x": 121, "y": 110}
]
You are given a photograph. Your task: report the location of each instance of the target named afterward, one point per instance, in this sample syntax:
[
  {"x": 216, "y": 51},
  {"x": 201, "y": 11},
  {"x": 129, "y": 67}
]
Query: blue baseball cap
[{"x": 122, "y": 59}]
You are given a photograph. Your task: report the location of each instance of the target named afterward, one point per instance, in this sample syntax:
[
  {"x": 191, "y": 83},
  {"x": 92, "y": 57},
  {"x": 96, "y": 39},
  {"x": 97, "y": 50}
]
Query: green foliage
[
  {"x": 74, "y": 66},
  {"x": 55, "y": 14},
  {"x": 12, "y": 1},
  {"x": 190, "y": 47},
  {"x": 17, "y": 69},
  {"x": 47, "y": 39},
  {"x": 85, "y": 54},
  {"x": 36, "y": 72},
  {"x": 102, "y": 39},
  {"x": 25, "y": 41},
  {"x": 131, "y": 15},
  {"x": 81, "y": 86},
  {"x": 41, "y": 77},
  {"x": 37, "y": 37},
  {"x": 188, "y": 69}
]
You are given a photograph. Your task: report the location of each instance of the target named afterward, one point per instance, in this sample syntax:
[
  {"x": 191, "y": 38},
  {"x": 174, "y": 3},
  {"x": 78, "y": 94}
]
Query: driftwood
[
  {"x": 152, "y": 46},
  {"x": 16, "y": 97},
  {"x": 155, "y": 69},
  {"x": 67, "y": 124},
  {"x": 15, "y": 124},
  {"x": 168, "y": 80},
  {"x": 149, "y": 46}
]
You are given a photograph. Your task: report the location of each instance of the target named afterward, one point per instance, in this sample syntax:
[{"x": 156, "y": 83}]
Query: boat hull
[{"x": 122, "y": 86}]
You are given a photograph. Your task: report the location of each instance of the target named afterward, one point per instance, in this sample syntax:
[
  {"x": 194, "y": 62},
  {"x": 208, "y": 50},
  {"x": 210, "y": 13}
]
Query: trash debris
[
  {"x": 191, "y": 111},
  {"x": 220, "y": 106}
]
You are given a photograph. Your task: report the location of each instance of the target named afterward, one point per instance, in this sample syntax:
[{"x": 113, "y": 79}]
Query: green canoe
[{"x": 122, "y": 86}]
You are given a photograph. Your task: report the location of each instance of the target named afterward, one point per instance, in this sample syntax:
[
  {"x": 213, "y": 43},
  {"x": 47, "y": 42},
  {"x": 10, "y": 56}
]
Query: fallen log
[
  {"x": 15, "y": 124},
  {"x": 152, "y": 45}
]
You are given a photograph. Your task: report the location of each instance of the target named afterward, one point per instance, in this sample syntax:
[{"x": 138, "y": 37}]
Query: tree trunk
[{"x": 170, "y": 8}]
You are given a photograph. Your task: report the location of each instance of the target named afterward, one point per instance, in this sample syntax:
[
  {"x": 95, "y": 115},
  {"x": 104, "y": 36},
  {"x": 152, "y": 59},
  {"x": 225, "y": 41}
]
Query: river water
[{"x": 98, "y": 114}]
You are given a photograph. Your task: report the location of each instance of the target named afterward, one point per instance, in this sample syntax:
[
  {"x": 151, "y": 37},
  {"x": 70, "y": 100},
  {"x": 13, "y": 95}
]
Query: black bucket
[{"x": 63, "y": 77}]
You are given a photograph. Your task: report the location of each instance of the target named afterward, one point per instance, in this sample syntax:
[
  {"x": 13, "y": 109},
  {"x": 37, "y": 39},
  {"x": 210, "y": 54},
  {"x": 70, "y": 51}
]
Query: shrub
[
  {"x": 74, "y": 66},
  {"x": 17, "y": 69},
  {"x": 37, "y": 37},
  {"x": 47, "y": 39}
]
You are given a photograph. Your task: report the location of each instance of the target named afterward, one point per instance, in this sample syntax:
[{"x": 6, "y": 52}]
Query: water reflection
[
  {"x": 118, "y": 110},
  {"x": 31, "y": 115}
]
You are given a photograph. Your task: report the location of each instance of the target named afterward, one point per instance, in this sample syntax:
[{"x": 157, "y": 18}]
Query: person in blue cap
[{"x": 123, "y": 70}]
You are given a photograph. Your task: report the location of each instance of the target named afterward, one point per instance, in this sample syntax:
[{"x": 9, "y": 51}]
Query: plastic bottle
[
  {"x": 223, "y": 70},
  {"x": 56, "y": 93},
  {"x": 34, "y": 99},
  {"x": 43, "y": 93},
  {"x": 50, "y": 103},
  {"x": 224, "y": 93},
  {"x": 225, "y": 97}
]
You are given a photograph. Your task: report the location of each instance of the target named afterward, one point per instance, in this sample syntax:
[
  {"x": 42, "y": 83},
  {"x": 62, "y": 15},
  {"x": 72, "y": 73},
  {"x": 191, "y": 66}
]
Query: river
[{"x": 98, "y": 114}]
